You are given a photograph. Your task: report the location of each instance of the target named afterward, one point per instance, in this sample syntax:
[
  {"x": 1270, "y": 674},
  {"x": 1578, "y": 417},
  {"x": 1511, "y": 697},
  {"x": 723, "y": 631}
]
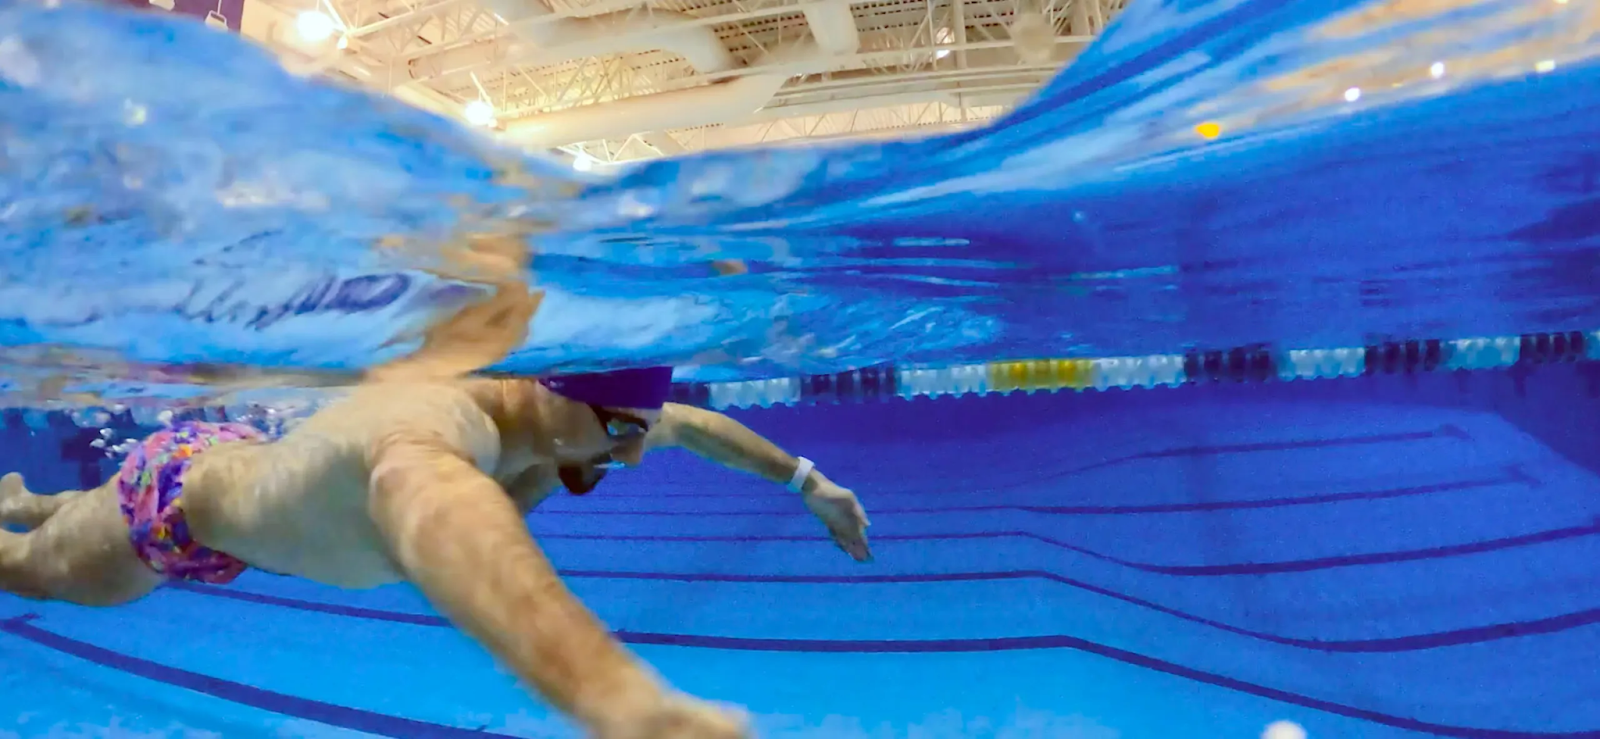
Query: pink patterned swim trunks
[{"x": 150, "y": 488}]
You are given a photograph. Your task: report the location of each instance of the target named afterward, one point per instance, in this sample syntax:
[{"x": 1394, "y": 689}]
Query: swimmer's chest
[
  {"x": 305, "y": 514},
  {"x": 313, "y": 516}
]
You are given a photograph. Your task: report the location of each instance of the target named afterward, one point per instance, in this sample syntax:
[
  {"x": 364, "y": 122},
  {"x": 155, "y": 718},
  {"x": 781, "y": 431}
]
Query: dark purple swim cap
[{"x": 629, "y": 388}]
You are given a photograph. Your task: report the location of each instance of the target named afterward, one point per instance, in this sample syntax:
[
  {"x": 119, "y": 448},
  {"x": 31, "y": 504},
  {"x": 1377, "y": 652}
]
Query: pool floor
[{"x": 1377, "y": 557}]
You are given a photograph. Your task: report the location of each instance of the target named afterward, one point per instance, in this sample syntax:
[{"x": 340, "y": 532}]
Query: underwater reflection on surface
[{"x": 1210, "y": 174}]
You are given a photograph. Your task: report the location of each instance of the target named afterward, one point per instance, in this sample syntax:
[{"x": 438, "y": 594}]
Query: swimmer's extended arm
[
  {"x": 727, "y": 442},
  {"x": 460, "y": 538},
  {"x": 731, "y": 444}
]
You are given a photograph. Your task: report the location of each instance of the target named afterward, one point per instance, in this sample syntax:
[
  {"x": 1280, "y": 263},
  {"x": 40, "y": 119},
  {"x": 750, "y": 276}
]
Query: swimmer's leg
[
  {"x": 20, "y": 507},
  {"x": 80, "y": 555},
  {"x": 460, "y": 538}
]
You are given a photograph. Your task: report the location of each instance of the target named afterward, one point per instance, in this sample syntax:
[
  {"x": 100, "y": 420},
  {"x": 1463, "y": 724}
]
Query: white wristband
[{"x": 803, "y": 471}]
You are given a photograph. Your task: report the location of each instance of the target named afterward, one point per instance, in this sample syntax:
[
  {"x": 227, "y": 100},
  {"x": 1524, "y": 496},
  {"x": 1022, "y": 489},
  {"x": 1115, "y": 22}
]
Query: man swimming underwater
[{"x": 426, "y": 482}]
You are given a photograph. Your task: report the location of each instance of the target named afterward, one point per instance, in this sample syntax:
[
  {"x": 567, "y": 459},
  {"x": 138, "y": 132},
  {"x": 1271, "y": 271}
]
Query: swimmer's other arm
[
  {"x": 730, "y": 444},
  {"x": 727, "y": 442},
  {"x": 460, "y": 538}
]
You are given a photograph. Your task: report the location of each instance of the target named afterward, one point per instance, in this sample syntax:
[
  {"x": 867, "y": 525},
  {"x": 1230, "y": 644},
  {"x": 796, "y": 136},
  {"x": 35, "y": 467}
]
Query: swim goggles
[{"x": 619, "y": 427}]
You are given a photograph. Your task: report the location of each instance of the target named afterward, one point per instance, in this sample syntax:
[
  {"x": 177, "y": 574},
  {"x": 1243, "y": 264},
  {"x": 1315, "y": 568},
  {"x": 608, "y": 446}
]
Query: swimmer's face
[
  {"x": 598, "y": 435},
  {"x": 624, "y": 429}
]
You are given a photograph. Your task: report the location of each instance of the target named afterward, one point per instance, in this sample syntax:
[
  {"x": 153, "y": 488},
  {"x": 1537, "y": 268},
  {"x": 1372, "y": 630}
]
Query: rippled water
[{"x": 176, "y": 210}]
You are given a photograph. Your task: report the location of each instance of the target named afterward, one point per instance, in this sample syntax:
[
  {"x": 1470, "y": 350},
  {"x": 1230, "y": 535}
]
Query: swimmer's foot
[
  {"x": 681, "y": 717},
  {"x": 21, "y": 507},
  {"x": 12, "y": 496}
]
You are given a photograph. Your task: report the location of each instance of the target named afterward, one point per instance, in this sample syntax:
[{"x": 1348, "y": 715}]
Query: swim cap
[{"x": 629, "y": 388}]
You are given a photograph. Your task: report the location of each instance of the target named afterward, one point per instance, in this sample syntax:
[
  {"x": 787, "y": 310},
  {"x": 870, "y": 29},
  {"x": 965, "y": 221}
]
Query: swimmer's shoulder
[{"x": 370, "y": 414}]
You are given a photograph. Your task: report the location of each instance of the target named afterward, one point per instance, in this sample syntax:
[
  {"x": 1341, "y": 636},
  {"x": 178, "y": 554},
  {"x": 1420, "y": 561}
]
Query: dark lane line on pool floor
[
  {"x": 1277, "y": 567},
  {"x": 394, "y": 726},
  {"x": 1386, "y": 494},
  {"x": 1443, "y": 432},
  {"x": 1387, "y": 645},
  {"x": 344, "y": 717},
  {"x": 1515, "y": 475}
]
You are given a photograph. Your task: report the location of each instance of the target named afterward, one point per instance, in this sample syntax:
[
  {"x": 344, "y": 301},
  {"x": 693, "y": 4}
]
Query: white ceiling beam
[
  {"x": 885, "y": 66},
  {"x": 397, "y": 21}
]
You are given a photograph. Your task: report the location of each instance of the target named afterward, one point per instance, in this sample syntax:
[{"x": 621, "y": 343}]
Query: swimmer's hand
[
  {"x": 844, "y": 517},
  {"x": 682, "y": 717}
]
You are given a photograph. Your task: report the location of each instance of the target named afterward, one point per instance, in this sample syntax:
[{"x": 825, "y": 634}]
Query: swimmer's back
[{"x": 298, "y": 506}]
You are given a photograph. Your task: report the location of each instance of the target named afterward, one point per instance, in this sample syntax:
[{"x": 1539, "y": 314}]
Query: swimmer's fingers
[
  {"x": 853, "y": 538},
  {"x": 854, "y": 543},
  {"x": 846, "y": 520}
]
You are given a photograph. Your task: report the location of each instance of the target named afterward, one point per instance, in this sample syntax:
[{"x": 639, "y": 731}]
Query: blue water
[
  {"x": 1375, "y": 557},
  {"x": 170, "y": 196},
  {"x": 1380, "y": 557}
]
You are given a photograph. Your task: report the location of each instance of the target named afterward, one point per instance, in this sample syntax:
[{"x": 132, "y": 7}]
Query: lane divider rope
[
  {"x": 1259, "y": 363},
  {"x": 1249, "y": 364}
]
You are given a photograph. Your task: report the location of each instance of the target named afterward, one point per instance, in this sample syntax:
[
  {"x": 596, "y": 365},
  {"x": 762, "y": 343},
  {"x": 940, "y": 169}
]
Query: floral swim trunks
[{"x": 150, "y": 489}]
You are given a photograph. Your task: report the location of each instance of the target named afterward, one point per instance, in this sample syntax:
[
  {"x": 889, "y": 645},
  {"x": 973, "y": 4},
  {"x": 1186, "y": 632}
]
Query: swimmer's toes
[
  {"x": 11, "y": 486},
  {"x": 11, "y": 494}
]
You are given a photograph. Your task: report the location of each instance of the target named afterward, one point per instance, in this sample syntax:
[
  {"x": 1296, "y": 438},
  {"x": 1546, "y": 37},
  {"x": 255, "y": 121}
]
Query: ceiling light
[
  {"x": 1548, "y": 65},
  {"x": 314, "y": 26},
  {"x": 1353, "y": 94},
  {"x": 1437, "y": 70},
  {"x": 478, "y": 113}
]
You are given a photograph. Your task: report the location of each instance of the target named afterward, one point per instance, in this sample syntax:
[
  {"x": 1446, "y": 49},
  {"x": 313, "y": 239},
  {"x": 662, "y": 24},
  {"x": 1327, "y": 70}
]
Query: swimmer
[{"x": 424, "y": 482}]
